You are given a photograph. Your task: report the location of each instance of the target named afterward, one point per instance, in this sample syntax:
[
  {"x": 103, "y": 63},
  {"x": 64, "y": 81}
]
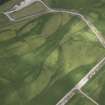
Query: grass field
[
  {"x": 92, "y": 9},
  {"x": 95, "y": 88},
  {"x": 34, "y": 9},
  {"x": 41, "y": 59},
  {"x": 79, "y": 99}
]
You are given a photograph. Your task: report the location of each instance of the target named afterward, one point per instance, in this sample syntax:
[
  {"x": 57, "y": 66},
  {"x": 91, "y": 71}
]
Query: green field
[
  {"x": 79, "y": 99},
  {"x": 34, "y": 9},
  {"x": 95, "y": 88},
  {"x": 42, "y": 58},
  {"x": 92, "y": 9}
]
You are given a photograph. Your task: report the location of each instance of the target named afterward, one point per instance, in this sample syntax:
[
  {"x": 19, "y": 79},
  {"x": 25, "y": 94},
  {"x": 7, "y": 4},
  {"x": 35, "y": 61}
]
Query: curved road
[
  {"x": 50, "y": 10},
  {"x": 98, "y": 34}
]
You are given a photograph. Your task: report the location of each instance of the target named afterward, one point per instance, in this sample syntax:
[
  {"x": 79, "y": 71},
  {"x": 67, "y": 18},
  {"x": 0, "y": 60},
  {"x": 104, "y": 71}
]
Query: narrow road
[
  {"x": 82, "y": 82},
  {"x": 98, "y": 34},
  {"x": 88, "y": 97},
  {"x": 22, "y": 5},
  {"x": 50, "y": 10},
  {"x": 89, "y": 24}
]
